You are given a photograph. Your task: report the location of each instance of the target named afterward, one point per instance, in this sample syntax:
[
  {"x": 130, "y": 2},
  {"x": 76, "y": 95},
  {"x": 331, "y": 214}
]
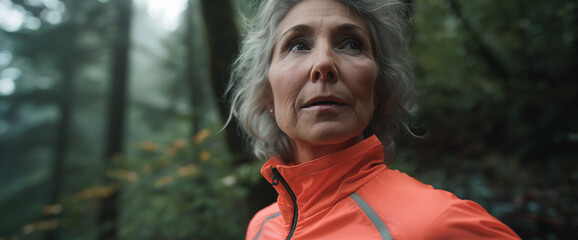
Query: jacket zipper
[{"x": 276, "y": 179}]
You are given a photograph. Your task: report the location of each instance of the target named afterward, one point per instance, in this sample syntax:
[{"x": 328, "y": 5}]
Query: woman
[{"x": 320, "y": 87}]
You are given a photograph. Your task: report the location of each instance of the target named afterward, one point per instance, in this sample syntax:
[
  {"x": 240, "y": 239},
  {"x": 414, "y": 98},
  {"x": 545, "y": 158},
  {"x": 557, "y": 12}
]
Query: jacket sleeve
[{"x": 464, "y": 219}]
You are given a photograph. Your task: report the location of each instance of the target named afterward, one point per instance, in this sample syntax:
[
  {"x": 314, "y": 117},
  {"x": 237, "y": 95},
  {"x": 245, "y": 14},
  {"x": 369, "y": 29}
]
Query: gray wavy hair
[{"x": 249, "y": 86}]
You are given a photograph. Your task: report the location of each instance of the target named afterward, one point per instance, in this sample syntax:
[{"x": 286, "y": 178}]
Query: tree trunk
[
  {"x": 65, "y": 103},
  {"x": 61, "y": 144},
  {"x": 117, "y": 103},
  {"x": 190, "y": 74},
  {"x": 223, "y": 44},
  {"x": 477, "y": 44}
]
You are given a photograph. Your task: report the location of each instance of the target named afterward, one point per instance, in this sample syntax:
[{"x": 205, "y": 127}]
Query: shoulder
[
  {"x": 467, "y": 218},
  {"x": 424, "y": 212},
  {"x": 260, "y": 218}
]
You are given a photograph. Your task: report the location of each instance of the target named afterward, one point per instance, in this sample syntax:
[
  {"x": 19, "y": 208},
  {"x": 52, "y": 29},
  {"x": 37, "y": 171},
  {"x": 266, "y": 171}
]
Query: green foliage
[
  {"x": 181, "y": 192},
  {"x": 497, "y": 88}
]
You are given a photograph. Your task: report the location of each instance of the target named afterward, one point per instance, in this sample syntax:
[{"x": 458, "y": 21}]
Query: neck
[{"x": 305, "y": 151}]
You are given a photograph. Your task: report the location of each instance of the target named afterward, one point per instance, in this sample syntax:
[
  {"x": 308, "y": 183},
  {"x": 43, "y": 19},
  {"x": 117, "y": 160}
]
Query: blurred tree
[
  {"x": 223, "y": 43},
  {"x": 51, "y": 54},
  {"x": 116, "y": 113},
  {"x": 190, "y": 76},
  {"x": 62, "y": 138}
]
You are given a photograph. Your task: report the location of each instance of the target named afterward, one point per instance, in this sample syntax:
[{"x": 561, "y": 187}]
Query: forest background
[{"x": 110, "y": 112}]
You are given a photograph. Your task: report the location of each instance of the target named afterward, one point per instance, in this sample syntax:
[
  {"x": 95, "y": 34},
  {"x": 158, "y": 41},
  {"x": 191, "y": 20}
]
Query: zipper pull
[{"x": 275, "y": 180}]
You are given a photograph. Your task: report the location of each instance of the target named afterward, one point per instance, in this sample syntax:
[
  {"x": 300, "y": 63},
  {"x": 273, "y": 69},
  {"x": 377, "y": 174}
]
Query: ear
[
  {"x": 270, "y": 103},
  {"x": 271, "y": 109}
]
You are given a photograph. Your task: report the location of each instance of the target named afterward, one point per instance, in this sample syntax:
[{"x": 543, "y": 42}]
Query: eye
[
  {"x": 351, "y": 44},
  {"x": 297, "y": 45}
]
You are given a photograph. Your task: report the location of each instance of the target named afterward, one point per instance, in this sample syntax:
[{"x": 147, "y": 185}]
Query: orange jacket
[{"x": 351, "y": 194}]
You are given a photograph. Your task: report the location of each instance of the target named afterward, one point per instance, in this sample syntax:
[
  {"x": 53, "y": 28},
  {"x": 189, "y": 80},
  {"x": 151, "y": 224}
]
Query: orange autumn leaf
[
  {"x": 41, "y": 226},
  {"x": 163, "y": 181},
  {"x": 204, "y": 156},
  {"x": 201, "y": 136},
  {"x": 149, "y": 146},
  {"x": 103, "y": 192},
  {"x": 86, "y": 194},
  {"x": 52, "y": 209},
  {"x": 187, "y": 170},
  {"x": 100, "y": 192},
  {"x": 179, "y": 143}
]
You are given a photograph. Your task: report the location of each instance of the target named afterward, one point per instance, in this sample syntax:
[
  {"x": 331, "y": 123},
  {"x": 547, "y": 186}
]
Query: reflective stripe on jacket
[{"x": 351, "y": 194}]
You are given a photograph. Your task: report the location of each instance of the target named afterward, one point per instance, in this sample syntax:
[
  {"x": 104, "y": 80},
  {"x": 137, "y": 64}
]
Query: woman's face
[{"x": 322, "y": 78}]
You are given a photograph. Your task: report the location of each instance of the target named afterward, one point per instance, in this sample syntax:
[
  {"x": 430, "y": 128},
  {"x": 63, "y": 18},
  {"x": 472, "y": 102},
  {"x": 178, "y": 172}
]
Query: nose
[{"x": 324, "y": 68}]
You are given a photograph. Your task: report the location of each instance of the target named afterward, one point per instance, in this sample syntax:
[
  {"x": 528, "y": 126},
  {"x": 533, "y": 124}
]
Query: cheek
[
  {"x": 365, "y": 93},
  {"x": 281, "y": 92},
  {"x": 284, "y": 86},
  {"x": 364, "y": 85},
  {"x": 276, "y": 98},
  {"x": 283, "y": 104}
]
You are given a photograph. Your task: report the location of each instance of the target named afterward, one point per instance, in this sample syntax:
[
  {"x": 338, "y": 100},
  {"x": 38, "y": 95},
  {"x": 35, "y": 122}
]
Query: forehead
[{"x": 320, "y": 13}]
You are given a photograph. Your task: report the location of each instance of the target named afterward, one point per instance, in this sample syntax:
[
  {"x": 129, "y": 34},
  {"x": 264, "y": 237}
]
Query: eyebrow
[
  {"x": 348, "y": 27},
  {"x": 302, "y": 28}
]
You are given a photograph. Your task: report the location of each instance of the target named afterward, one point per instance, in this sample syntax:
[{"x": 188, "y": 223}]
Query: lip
[{"x": 323, "y": 102}]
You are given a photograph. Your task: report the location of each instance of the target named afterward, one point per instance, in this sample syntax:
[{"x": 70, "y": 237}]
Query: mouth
[{"x": 324, "y": 102}]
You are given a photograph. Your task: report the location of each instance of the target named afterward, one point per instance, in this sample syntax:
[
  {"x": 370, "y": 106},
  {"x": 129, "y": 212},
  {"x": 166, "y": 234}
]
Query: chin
[{"x": 336, "y": 136}]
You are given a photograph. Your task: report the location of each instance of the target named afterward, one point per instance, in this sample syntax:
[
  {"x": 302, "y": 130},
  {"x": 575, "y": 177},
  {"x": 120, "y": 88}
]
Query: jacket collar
[{"x": 321, "y": 183}]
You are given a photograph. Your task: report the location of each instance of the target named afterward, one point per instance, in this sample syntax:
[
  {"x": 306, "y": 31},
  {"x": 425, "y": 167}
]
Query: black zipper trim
[{"x": 276, "y": 179}]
